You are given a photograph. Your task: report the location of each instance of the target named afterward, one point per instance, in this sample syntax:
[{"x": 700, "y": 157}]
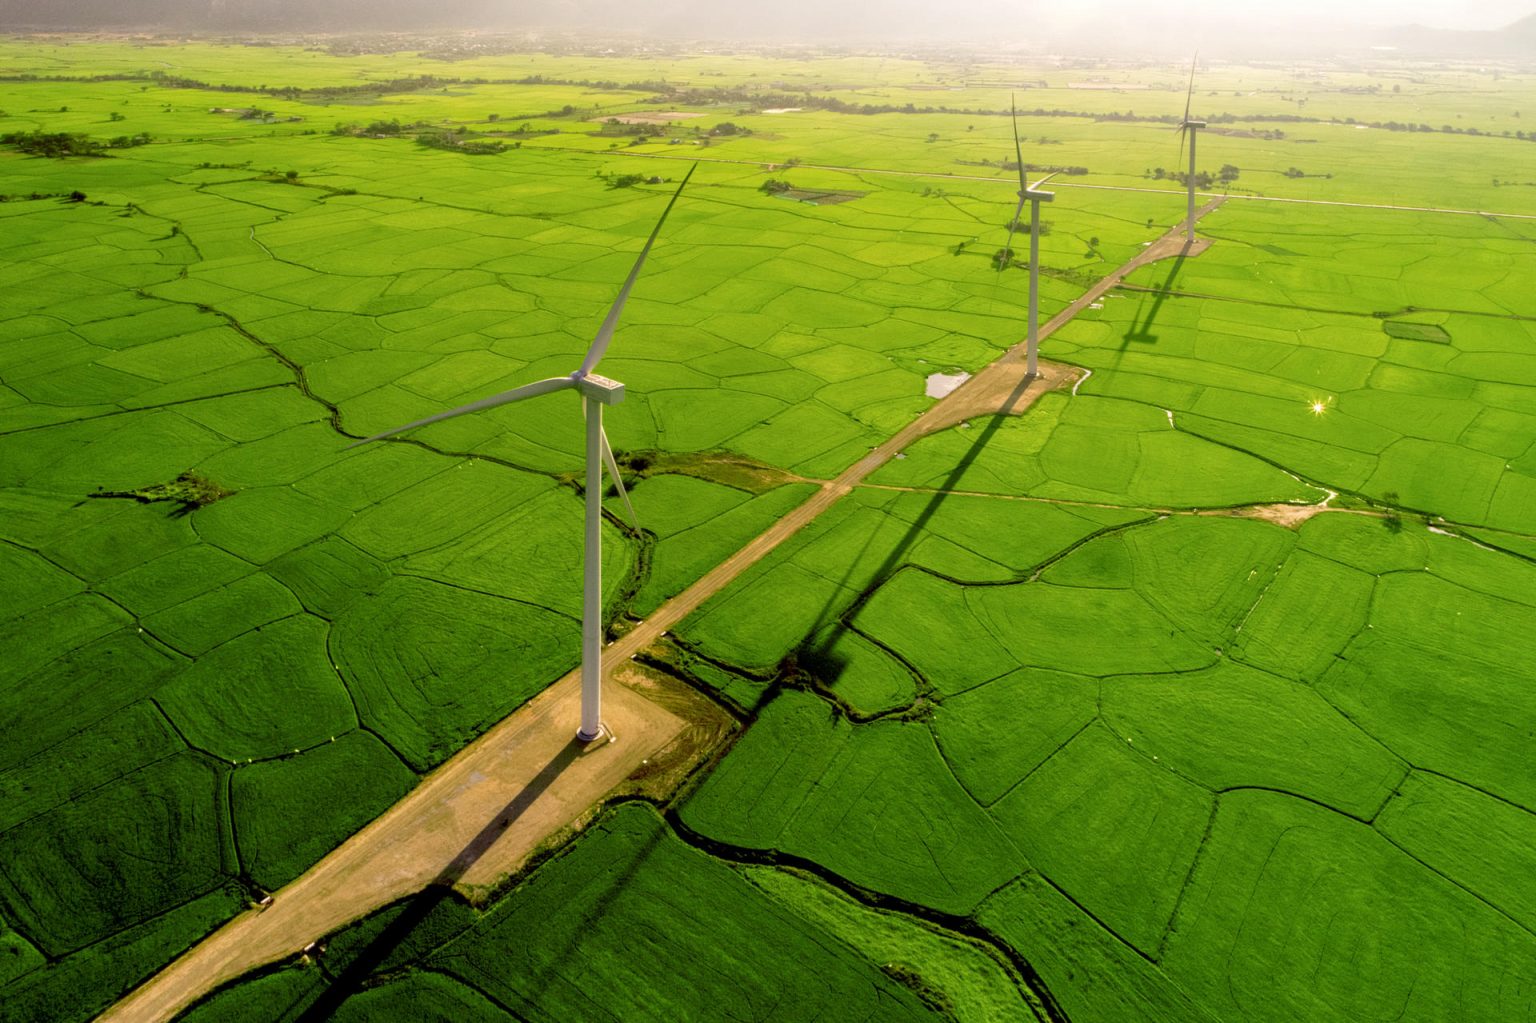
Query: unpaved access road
[{"x": 480, "y": 814}]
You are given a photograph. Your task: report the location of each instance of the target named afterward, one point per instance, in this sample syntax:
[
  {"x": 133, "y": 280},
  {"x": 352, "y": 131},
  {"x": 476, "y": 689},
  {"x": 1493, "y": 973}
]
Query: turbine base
[{"x": 582, "y": 736}]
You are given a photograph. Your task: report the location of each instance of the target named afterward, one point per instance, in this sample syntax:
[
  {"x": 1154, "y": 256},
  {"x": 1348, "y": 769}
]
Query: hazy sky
[
  {"x": 1482, "y": 14},
  {"x": 999, "y": 21}
]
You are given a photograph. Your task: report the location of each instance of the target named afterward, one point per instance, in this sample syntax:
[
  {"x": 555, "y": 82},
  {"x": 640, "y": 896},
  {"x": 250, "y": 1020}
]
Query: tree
[{"x": 1228, "y": 173}]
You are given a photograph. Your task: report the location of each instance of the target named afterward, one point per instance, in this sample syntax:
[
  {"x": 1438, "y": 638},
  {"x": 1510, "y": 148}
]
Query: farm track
[{"x": 480, "y": 815}]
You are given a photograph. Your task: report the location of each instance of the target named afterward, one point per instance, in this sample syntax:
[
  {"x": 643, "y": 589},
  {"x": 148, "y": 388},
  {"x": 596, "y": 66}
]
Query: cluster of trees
[
  {"x": 614, "y": 126},
  {"x": 775, "y": 186},
  {"x": 59, "y": 144},
  {"x": 654, "y": 85},
  {"x": 1022, "y": 225},
  {"x": 75, "y": 196},
  {"x": 1034, "y": 168},
  {"x": 462, "y": 142},
  {"x": 389, "y": 127},
  {"x": 1203, "y": 179},
  {"x": 459, "y": 140},
  {"x": 631, "y": 180}
]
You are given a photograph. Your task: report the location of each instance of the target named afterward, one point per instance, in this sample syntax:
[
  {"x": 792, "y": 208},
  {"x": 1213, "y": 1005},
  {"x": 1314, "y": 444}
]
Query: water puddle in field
[{"x": 941, "y": 384}]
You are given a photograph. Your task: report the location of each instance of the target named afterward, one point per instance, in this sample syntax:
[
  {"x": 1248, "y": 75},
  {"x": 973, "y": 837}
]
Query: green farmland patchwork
[{"x": 1201, "y": 690}]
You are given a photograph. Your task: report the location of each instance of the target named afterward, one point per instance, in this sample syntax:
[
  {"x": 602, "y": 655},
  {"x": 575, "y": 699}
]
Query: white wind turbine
[
  {"x": 596, "y": 391},
  {"x": 1034, "y": 196},
  {"x": 1191, "y": 129}
]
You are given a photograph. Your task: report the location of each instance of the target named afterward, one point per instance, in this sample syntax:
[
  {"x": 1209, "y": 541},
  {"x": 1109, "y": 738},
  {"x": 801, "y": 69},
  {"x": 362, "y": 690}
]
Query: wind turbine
[
  {"x": 1192, "y": 130},
  {"x": 1034, "y": 196},
  {"x": 596, "y": 391}
]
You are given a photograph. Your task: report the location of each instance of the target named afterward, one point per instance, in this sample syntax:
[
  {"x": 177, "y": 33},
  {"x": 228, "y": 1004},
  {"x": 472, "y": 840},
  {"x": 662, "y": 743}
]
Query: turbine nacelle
[{"x": 600, "y": 388}]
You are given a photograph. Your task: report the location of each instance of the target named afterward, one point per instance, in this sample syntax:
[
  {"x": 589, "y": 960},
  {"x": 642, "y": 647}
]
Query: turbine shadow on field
[
  {"x": 417, "y": 909},
  {"x": 1141, "y": 328},
  {"x": 816, "y": 654}
]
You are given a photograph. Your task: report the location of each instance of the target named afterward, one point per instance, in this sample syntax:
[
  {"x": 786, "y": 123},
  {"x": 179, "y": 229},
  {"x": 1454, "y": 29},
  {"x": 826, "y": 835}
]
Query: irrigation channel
[{"x": 480, "y": 815}]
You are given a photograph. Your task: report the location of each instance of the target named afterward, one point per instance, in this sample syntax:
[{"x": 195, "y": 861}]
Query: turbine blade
[
  {"x": 1190, "y": 96},
  {"x": 1182, "y": 131},
  {"x": 1018, "y": 151},
  {"x": 618, "y": 481},
  {"x": 1012, "y": 224},
  {"x": 1042, "y": 181},
  {"x": 611, "y": 321},
  {"x": 504, "y": 398}
]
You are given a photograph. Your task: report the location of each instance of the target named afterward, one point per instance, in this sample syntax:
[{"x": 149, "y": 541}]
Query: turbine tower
[
  {"x": 596, "y": 391},
  {"x": 1192, "y": 130},
  {"x": 1034, "y": 196}
]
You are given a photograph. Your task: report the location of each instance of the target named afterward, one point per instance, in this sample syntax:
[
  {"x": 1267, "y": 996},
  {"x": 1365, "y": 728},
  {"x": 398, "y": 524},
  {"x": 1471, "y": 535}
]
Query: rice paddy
[{"x": 1056, "y": 717}]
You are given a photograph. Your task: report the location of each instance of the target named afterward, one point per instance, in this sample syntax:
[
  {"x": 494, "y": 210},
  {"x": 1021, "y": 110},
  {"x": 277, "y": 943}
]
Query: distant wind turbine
[
  {"x": 596, "y": 391},
  {"x": 1032, "y": 195},
  {"x": 1191, "y": 129}
]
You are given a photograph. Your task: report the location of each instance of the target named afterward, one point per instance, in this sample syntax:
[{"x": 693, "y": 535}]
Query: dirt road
[{"x": 480, "y": 814}]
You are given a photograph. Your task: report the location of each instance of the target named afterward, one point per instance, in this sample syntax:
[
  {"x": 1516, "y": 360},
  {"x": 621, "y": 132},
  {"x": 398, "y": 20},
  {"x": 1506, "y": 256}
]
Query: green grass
[
  {"x": 1286, "y": 880},
  {"x": 1115, "y": 831},
  {"x": 267, "y": 693},
  {"x": 873, "y": 803},
  {"x": 1293, "y": 741},
  {"x": 1092, "y": 450},
  {"x": 1033, "y": 916},
  {"x": 1458, "y": 831},
  {"x": 1417, "y": 331},
  {"x": 965, "y": 977},
  {"x": 65, "y": 880},
  {"x": 286, "y": 816},
  {"x": 629, "y": 889},
  {"x": 424, "y": 662},
  {"x": 79, "y": 985}
]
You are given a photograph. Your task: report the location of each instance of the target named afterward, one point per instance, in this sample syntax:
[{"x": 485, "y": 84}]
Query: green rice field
[{"x": 1201, "y": 691}]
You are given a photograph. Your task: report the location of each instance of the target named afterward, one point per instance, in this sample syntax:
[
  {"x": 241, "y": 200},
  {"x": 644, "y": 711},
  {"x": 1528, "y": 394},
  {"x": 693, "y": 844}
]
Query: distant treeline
[
  {"x": 392, "y": 85},
  {"x": 662, "y": 92}
]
